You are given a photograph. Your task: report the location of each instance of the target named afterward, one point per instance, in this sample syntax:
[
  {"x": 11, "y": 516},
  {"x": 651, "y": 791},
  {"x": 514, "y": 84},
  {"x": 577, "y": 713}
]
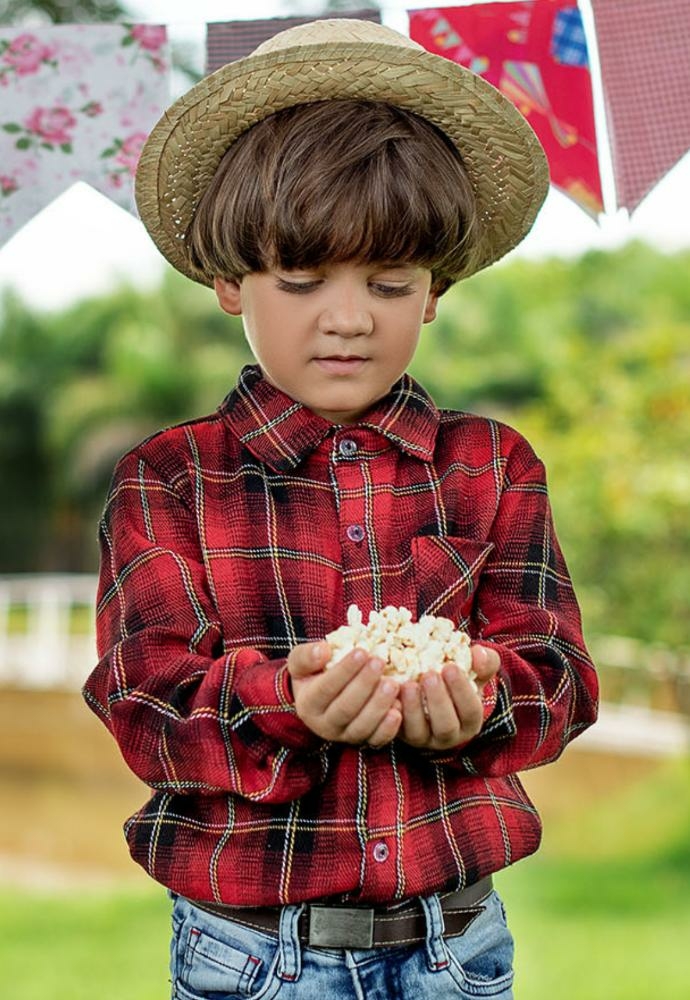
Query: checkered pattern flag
[
  {"x": 227, "y": 41},
  {"x": 644, "y": 51}
]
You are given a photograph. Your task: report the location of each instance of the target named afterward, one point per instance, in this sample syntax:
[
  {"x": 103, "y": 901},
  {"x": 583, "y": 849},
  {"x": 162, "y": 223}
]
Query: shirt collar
[{"x": 281, "y": 432}]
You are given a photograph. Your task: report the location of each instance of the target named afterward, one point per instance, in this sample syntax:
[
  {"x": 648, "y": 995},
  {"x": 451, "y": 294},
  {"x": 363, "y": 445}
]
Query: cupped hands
[{"x": 354, "y": 702}]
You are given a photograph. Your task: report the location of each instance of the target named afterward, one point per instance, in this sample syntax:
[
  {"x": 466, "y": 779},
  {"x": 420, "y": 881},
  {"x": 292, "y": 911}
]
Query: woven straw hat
[{"x": 350, "y": 59}]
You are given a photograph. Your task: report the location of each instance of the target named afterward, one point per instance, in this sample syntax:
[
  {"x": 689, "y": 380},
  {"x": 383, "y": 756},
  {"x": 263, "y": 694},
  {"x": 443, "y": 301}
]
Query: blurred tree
[
  {"x": 33, "y": 12},
  {"x": 80, "y": 387},
  {"x": 60, "y": 11}
]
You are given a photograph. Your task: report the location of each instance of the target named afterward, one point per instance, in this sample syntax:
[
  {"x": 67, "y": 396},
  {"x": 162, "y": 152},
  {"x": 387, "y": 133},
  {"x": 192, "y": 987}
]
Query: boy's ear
[
  {"x": 228, "y": 295},
  {"x": 430, "y": 307}
]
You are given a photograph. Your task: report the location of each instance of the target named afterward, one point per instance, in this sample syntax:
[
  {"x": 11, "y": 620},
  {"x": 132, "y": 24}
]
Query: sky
[{"x": 83, "y": 244}]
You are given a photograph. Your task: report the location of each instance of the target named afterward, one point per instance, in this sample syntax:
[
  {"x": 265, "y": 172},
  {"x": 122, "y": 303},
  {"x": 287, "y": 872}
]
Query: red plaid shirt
[{"x": 229, "y": 539}]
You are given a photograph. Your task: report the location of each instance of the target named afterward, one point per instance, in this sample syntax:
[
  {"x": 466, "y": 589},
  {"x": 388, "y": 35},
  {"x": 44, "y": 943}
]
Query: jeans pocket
[
  {"x": 217, "y": 959},
  {"x": 481, "y": 960}
]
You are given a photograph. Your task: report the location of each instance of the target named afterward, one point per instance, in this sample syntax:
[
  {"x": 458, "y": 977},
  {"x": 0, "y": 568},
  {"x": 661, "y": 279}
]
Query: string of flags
[{"x": 77, "y": 101}]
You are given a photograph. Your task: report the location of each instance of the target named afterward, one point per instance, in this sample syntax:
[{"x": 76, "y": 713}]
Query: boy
[{"x": 331, "y": 832}]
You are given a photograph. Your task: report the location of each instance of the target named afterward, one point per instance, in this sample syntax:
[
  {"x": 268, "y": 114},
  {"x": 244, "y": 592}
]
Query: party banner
[
  {"x": 535, "y": 52},
  {"x": 76, "y": 104},
  {"x": 644, "y": 53},
  {"x": 227, "y": 41}
]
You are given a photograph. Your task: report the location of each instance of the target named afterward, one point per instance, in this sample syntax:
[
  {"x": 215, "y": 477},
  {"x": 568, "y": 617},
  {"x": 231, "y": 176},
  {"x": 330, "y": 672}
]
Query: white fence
[{"x": 47, "y": 630}]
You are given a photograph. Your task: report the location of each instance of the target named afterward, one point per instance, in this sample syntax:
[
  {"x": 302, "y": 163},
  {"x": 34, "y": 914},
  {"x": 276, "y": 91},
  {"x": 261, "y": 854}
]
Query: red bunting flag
[
  {"x": 535, "y": 52},
  {"x": 644, "y": 52}
]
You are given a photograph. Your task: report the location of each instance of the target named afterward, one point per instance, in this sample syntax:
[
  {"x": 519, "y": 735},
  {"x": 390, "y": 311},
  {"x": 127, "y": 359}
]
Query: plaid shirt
[{"x": 229, "y": 539}]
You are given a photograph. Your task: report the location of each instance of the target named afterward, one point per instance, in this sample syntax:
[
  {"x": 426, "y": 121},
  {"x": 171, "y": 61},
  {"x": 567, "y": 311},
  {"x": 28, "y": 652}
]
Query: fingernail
[
  {"x": 359, "y": 656},
  {"x": 483, "y": 655},
  {"x": 388, "y": 687},
  {"x": 451, "y": 672},
  {"x": 431, "y": 680},
  {"x": 317, "y": 652},
  {"x": 376, "y": 665}
]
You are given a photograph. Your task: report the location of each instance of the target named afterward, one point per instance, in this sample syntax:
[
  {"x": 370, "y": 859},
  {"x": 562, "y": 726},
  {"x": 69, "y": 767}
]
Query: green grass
[
  {"x": 92, "y": 946},
  {"x": 80, "y": 619},
  {"x": 602, "y": 912}
]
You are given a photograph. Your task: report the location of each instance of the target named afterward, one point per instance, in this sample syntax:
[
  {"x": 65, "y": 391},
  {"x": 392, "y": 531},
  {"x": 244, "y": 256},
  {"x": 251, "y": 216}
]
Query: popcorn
[{"x": 408, "y": 649}]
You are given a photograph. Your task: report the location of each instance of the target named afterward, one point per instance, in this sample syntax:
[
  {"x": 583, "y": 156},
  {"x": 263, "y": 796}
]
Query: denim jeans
[{"x": 217, "y": 959}]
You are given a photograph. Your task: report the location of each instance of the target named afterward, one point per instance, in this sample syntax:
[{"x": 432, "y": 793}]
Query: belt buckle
[{"x": 341, "y": 927}]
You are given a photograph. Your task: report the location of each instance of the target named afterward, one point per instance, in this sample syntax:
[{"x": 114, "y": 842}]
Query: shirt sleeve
[
  {"x": 189, "y": 715},
  {"x": 546, "y": 690}
]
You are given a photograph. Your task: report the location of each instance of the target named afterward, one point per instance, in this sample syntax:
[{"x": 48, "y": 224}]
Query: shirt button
[
  {"x": 347, "y": 447},
  {"x": 381, "y": 851},
  {"x": 355, "y": 532}
]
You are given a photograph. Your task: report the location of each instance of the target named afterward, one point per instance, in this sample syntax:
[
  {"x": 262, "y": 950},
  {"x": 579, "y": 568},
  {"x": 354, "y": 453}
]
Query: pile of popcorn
[{"x": 408, "y": 649}]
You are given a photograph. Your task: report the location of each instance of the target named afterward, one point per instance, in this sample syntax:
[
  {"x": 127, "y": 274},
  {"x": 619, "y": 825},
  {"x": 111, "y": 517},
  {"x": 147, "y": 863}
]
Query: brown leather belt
[{"x": 343, "y": 926}]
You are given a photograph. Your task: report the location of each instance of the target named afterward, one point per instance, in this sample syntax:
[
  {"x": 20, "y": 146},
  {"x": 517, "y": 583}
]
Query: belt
[{"x": 342, "y": 926}]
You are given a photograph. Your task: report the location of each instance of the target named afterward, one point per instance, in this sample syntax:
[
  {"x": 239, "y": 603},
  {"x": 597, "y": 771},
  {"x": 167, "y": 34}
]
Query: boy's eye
[
  {"x": 390, "y": 291},
  {"x": 297, "y": 287}
]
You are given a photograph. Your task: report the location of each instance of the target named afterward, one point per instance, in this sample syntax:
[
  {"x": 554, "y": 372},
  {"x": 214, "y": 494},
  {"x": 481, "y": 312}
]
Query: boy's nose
[{"x": 347, "y": 318}]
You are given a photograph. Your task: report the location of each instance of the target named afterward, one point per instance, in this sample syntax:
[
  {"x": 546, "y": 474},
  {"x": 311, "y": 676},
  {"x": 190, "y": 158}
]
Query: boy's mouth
[{"x": 341, "y": 364}]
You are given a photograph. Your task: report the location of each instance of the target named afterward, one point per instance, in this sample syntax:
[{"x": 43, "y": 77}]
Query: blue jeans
[{"x": 217, "y": 959}]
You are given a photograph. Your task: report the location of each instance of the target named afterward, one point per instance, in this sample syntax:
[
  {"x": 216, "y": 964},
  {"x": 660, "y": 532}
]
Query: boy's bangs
[{"x": 366, "y": 222}]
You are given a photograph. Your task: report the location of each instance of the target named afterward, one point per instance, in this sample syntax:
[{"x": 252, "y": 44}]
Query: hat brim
[{"x": 505, "y": 162}]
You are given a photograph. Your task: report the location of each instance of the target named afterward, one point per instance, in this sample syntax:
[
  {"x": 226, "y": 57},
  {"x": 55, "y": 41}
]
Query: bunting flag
[
  {"x": 535, "y": 52},
  {"x": 76, "y": 104},
  {"x": 644, "y": 53},
  {"x": 230, "y": 40}
]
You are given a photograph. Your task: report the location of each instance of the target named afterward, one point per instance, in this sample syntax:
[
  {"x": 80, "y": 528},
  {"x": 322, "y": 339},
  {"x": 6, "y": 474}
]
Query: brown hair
[{"x": 334, "y": 181}]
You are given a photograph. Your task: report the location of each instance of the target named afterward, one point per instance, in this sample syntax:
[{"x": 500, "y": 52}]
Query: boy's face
[{"x": 334, "y": 338}]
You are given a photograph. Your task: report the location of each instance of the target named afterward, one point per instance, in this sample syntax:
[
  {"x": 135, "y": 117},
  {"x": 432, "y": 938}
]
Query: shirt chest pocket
[{"x": 447, "y": 571}]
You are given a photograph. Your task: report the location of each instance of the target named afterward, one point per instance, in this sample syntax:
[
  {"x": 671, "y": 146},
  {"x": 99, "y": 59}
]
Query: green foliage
[
  {"x": 589, "y": 358},
  {"x": 60, "y": 11},
  {"x": 80, "y": 387}
]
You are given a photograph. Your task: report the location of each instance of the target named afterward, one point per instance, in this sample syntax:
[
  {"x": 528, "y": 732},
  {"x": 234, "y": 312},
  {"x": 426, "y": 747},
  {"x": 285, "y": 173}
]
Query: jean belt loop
[
  {"x": 290, "y": 960},
  {"x": 436, "y": 953}
]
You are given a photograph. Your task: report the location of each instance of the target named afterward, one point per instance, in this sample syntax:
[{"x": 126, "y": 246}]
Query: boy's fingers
[
  {"x": 364, "y": 723},
  {"x": 415, "y": 723},
  {"x": 387, "y": 729},
  {"x": 324, "y": 688},
  {"x": 364, "y": 693},
  {"x": 466, "y": 700},
  {"x": 444, "y": 717},
  {"x": 308, "y": 658},
  {"x": 485, "y": 663}
]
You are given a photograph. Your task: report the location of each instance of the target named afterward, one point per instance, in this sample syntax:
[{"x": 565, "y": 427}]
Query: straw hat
[{"x": 350, "y": 59}]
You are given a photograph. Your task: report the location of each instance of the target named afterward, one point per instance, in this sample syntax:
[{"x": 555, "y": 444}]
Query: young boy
[{"x": 333, "y": 832}]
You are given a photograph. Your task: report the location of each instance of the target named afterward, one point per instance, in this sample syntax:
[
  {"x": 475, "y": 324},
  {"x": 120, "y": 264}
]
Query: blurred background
[{"x": 580, "y": 339}]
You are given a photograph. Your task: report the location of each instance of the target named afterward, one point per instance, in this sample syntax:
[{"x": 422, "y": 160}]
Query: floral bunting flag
[
  {"x": 227, "y": 41},
  {"x": 535, "y": 52},
  {"x": 76, "y": 104},
  {"x": 644, "y": 52}
]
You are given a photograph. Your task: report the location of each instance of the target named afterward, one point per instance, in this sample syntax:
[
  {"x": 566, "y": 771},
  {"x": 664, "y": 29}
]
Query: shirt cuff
[
  {"x": 489, "y": 697},
  {"x": 266, "y": 695}
]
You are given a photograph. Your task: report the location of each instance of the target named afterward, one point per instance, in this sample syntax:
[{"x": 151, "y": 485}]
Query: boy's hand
[
  {"x": 454, "y": 710},
  {"x": 348, "y": 703}
]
